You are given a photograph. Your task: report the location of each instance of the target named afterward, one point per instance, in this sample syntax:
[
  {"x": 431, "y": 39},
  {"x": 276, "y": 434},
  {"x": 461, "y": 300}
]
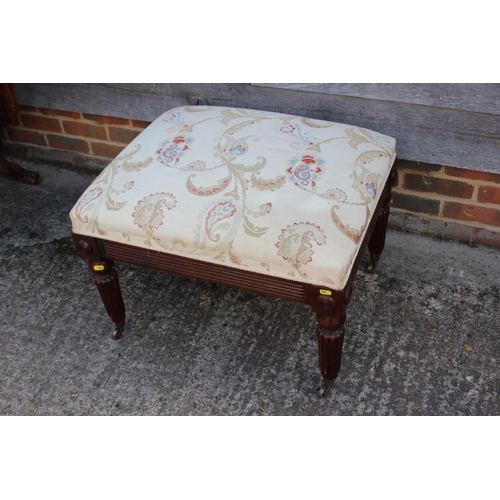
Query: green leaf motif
[
  {"x": 113, "y": 205},
  {"x": 356, "y": 139},
  {"x": 251, "y": 168},
  {"x": 229, "y": 115},
  {"x": 267, "y": 184},
  {"x": 252, "y": 230}
]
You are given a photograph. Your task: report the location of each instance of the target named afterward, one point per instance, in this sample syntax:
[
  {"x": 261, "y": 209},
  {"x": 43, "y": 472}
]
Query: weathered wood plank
[
  {"x": 424, "y": 133},
  {"x": 478, "y": 97}
]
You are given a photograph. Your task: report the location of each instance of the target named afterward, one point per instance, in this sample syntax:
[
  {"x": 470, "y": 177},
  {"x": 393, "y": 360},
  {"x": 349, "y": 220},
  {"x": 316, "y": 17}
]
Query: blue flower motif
[
  {"x": 237, "y": 150},
  {"x": 370, "y": 189}
]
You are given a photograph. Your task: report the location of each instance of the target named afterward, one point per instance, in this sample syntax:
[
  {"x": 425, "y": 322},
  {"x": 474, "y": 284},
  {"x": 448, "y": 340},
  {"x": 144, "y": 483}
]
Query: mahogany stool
[{"x": 268, "y": 202}]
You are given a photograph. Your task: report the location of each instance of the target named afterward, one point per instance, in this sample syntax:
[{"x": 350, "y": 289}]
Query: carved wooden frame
[{"x": 329, "y": 305}]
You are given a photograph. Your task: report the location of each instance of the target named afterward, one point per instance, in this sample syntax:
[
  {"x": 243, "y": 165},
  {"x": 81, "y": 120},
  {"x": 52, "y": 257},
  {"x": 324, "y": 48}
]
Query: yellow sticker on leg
[
  {"x": 325, "y": 292},
  {"x": 99, "y": 267}
]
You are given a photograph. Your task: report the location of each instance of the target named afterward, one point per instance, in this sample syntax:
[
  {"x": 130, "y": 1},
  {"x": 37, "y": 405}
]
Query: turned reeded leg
[
  {"x": 330, "y": 308},
  {"x": 330, "y": 340},
  {"x": 377, "y": 239},
  {"x": 106, "y": 279}
]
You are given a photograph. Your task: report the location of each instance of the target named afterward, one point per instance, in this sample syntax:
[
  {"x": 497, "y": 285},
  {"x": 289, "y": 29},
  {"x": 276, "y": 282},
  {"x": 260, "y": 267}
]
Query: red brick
[
  {"x": 57, "y": 112},
  {"x": 107, "y": 119},
  {"x": 415, "y": 203},
  {"x": 26, "y": 136},
  {"x": 38, "y": 122},
  {"x": 68, "y": 143},
  {"x": 446, "y": 187},
  {"x": 85, "y": 130},
  {"x": 140, "y": 124},
  {"x": 123, "y": 135},
  {"x": 489, "y": 194},
  {"x": 472, "y": 174},
  {"x": 471, "y": 213},
  {"x": 106, "y": 150}
]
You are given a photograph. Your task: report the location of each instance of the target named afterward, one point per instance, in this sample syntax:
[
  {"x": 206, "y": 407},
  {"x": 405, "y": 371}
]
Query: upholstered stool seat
[{"x": 261, "y": 195}]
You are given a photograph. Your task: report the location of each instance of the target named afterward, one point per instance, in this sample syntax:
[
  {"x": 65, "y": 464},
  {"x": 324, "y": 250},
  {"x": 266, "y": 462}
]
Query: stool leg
[
  {"x": 18, "y": 172},
  {"x": 106, "y": 279},
  {"x": 377, "y": 239},
  {"x": 330, "y": 308},
  {"x": 330, "y": 340}
]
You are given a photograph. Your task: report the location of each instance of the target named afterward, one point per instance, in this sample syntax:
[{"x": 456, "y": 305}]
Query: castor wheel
[
  {"x": 117, "y": 333},
  {"x": 374, "y": 259},
  {"x": 325, "y": 389}
]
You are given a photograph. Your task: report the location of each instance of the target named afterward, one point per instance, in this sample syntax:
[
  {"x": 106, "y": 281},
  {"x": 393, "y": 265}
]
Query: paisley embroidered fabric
[{"x": 267, "y": 192}]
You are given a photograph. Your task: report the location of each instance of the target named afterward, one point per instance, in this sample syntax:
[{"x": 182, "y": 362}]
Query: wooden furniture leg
[
  {"x": 106, "y": 280},
  {"x": 330, "y": 341},
  {"x": 8, "y": 106},
  {"x": 18, "y": 172},
  {"x": 377, "y": 240},
  {"x": 330, "y": 307}
]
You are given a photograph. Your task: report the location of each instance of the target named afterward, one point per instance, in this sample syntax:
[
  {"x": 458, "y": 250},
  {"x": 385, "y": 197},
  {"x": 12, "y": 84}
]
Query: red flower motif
[
  {"x": 287, "y": 129},
  {"x": 307, "y": 159},
  {"x": 179, "y": 140}
]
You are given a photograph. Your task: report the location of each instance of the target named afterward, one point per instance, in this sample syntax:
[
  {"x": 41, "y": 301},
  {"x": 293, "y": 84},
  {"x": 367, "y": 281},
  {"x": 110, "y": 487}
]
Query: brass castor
[
  {"x": 374, "y": 259},
  {"x": 325, "y": 389},
  {"x": 118, "y": 331}
]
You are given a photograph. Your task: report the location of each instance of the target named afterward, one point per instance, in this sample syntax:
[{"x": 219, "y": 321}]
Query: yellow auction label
[
  {"x": 325, "y": 292},
  {"x": 99, "y": 267}
]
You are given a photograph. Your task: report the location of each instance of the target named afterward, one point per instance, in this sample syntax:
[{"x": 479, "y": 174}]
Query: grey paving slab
[{"x": 422, "y": 334}]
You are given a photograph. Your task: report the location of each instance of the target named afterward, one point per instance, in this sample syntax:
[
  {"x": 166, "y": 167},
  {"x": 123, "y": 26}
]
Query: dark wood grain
[
  {"x": 206, "y": 271},
  {"x": 106, "y": 280},
  {"x": 376, "y": 242},
  {"x": 330, "y": 309}
]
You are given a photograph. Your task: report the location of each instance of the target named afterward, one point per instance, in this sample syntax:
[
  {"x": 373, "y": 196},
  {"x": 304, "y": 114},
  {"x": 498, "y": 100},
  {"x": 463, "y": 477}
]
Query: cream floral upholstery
[{"x": 267, "y": 192}]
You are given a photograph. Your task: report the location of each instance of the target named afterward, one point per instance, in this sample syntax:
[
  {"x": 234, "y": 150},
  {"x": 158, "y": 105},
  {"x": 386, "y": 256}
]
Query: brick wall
[
  {"x": 87, "y": 136},
  {"x": 446, "y": 202}
]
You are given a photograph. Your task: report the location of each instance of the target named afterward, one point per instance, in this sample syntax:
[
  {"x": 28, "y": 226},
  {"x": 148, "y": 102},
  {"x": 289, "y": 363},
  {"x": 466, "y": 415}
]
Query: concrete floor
[{"x": 422, "y": 334}]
